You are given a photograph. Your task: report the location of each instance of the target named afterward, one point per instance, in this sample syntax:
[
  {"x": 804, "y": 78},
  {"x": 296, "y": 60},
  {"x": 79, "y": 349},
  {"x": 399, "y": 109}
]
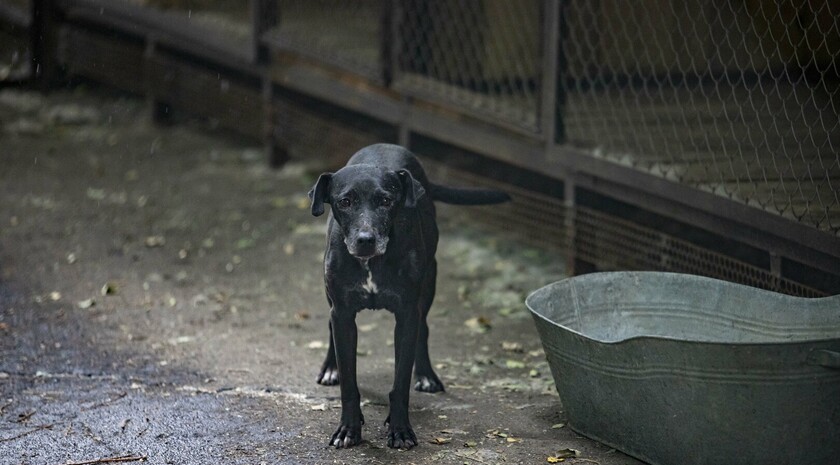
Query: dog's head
[{"x": 365, "y": 199}]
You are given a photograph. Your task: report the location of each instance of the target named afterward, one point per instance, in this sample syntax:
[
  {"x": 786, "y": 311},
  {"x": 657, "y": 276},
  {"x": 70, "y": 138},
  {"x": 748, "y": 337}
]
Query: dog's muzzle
[{"x": 366, "y": 244}]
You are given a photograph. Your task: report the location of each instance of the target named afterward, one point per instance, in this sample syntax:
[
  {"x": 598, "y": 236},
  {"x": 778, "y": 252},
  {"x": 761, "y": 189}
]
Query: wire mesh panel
[
  {"x": 15, "y": 53},
  {"x": 739, "y": 98},
  {"x": 479, "y": 55},
  {"x": 308, "y": 132},
  {"x": 341, "y": 33},
  {"x": 608, "y": 242},
  {"x": 616, "y": 244},
  {"x": 530, "y": 218}
]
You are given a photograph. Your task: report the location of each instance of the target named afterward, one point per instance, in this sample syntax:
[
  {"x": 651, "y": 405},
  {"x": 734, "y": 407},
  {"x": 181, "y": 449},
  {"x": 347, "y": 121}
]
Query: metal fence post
[
  {"x": 551, "y": 92},
  {"x": 44, "y": 36},
  {"x": 263, "y": 17},
  {"x": 265, "y": 14}
]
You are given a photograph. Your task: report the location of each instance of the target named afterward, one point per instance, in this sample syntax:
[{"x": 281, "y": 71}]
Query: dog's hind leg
[
  {"x": 426, "y": 379},
  {"x": 329, "y": 369}
]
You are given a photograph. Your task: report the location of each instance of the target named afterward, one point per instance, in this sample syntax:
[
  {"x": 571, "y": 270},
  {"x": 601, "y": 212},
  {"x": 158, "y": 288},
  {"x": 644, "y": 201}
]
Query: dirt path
[{"x": 161, "y": 296}]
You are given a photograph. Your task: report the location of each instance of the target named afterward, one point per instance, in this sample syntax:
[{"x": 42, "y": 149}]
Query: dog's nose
[{"x": 365, "y": 239}]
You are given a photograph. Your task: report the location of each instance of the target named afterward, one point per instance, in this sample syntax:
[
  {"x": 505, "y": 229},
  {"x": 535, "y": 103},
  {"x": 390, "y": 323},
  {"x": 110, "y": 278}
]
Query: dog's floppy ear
[
  {"x": 412, "y": 189},
  {"x": 320, "y": 194}
]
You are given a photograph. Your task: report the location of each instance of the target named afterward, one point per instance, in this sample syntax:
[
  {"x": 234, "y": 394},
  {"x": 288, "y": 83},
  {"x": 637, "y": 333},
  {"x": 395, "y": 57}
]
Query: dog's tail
[{"x": 461, "y": 196}]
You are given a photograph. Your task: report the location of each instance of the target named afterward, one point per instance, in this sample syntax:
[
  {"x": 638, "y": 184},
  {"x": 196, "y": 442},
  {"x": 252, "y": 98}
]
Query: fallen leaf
[
  {"x": 567, "y": 453},
  {"x": 470, "y": 444},
  {"x": 551, "y": 459},
  {"x": 558, "y": 425},
  {"x": 463, "y": 292},
  {"x": 302, "y": 315},
  {"x": 87, "y": 303},
  {"x": 534, "y": 373},
  {"x": 476, "y": 370},
  {"x": 71, "y": 258},
  {"x": 4, "y": 326},
  {"x": 496, "y": 433},
  {"x": 244, "y": 243},
  {"x": 513, "y": 364},
  {"x": 316, "y": 345},
  {"x": 506, "y": 311},
  {"x": 512, "y": 346},
  {"x": 440, "y": 441},
  {"x": 108, "y": 289},
  {"x": 480, "y": 324},
  {"x": 55, "y": 295},
  {"x": 95, "y": 194},
  {"x": 319, "y": 407},
  {"x": 367, "y": 327},
  {"x": 512, "y": 440},
  {"x": 155, "y": 241},
  {"x": 181, "y": 340},
  {"x": 289, "y": 248}
]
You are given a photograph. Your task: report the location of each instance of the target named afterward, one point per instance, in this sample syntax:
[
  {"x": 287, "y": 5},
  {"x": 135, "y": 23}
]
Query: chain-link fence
[
  {"x": 739, "y": 98},
  {"x": 349, "y": 35},
  {"x": 480, "y": 55}
]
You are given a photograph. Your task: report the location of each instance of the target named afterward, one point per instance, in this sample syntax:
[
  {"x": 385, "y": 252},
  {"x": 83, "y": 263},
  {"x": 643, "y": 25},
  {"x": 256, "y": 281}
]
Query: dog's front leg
[
  {"x": 400, "y": 434},
  {"x": 345, "y": 338}
]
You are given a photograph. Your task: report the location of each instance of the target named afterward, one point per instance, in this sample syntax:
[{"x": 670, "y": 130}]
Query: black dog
[{"x": 381, "y": 243}]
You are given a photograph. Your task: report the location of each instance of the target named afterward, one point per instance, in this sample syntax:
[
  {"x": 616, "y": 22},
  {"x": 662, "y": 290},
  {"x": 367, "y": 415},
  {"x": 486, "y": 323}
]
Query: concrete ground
[{"x": 161, "y": 296}]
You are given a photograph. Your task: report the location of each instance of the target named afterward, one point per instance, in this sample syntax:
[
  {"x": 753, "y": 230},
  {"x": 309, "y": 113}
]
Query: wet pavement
[{"x": 161, "y": 297}]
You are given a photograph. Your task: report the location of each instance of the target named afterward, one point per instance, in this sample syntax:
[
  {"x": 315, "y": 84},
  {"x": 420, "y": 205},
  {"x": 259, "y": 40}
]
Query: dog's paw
[
  {"x": 428, "y": 384},
  {"x": 401, "y": 437},
  {"x": 347, "y": 436},
  {"x": 328, "y": 376}
]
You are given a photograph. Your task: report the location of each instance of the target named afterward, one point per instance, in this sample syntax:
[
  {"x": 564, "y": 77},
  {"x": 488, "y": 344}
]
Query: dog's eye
[
  {"x": 344, "y": 203},
  {"x": 385, "y": 202}
]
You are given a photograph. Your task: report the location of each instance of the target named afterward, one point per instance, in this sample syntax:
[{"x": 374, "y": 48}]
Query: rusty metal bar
[
  {"x": 264, "y": 16},
  {"x": 44, "y": 34},
  {"x": 549, "y": 111}
]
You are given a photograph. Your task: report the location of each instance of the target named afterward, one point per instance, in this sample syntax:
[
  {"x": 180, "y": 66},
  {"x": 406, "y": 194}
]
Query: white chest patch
[{"x": 369, "y": 285}]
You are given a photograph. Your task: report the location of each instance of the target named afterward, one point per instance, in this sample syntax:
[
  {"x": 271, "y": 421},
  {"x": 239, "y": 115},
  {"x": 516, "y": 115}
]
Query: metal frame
[
  {"x": 272, "y": 65},
  {"x": 544, "y": 153}
]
